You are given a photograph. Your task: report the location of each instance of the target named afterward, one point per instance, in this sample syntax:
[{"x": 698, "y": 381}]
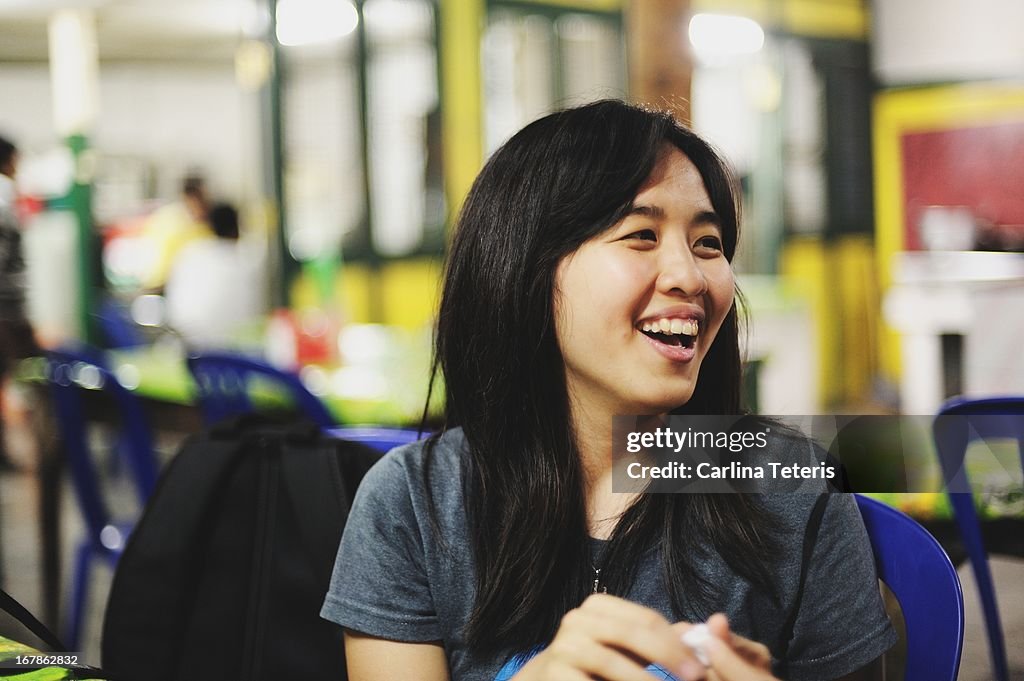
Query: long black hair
[{"x": 560, "y": 181}]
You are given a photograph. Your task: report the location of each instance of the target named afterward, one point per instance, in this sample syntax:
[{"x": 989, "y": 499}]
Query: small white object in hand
[{"x": 695, "y": 639}]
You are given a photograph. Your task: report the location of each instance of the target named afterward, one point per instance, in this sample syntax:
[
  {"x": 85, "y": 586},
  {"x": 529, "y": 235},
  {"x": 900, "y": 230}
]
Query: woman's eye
[
  {"x": 712, "y": 242},
  {"x": 643, "y": 235}
]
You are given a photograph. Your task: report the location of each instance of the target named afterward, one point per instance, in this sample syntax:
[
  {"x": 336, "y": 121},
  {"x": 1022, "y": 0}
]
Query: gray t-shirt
[{"x": 393, "y": 580}]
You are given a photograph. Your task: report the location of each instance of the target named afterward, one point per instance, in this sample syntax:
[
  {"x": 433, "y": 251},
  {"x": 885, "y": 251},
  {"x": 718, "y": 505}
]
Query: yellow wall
[
  {"x": 409, "y": 291},
  {"x": 402, "y": 293},
  {"x": 859, "y": 316},
  {"x": 839, "y": 280},
  {"x": 461, "y": 24}
]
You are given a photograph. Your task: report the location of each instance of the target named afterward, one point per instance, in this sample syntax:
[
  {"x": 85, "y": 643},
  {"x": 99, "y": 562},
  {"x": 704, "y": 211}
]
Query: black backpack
[{"x": 225, "y": 574}]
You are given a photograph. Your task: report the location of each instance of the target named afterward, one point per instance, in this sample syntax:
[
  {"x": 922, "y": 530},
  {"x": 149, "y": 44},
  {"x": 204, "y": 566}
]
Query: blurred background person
[
  {"x": 215, "y": 284},
  {"x": 17, "y": 339},
  {"x": 172, "y": 227}
]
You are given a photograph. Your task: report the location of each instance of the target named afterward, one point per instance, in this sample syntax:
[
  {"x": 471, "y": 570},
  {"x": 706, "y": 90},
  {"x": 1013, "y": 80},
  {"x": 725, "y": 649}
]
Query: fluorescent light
[
  {"x": 74, "y": 71},
  {"x": 305, "y": 22},
  {"x": 720, "y": 36}
]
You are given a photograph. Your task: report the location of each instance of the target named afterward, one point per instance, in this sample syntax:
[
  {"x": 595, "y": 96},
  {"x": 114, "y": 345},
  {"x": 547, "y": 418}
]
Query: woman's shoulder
[
  {"x": 444, "y": 456},
  {"x": 408, "y": 469}
]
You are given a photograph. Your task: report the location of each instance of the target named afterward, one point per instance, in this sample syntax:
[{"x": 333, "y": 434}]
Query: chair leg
[
  {"x": 986, "y": 591},
  {"x": 970, "y": 532},
  {"x": 80, "y": 581}
]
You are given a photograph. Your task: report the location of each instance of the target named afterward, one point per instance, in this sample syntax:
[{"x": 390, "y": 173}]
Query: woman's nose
[{"x": 681, "y": 275}]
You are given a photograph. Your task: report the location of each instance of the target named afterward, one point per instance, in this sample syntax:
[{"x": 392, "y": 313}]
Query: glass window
[
  {"x": 402, "y": 98},
  {"x": 535, "y": 61},
  {"x": 323, "y": 181}
]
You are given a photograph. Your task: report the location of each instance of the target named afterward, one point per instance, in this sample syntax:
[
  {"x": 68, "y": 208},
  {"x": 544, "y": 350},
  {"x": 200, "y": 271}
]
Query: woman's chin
[{"x": 664, "y": 403}]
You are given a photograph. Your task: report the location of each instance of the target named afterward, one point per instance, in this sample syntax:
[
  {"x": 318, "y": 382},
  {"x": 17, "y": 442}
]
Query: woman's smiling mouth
[
  {"x": 678, "y": 332},
  {"x": 675, "y": 339}
]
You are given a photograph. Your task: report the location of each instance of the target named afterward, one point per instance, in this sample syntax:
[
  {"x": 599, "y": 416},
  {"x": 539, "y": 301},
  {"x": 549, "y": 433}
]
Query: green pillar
[
  {"x": 79, "y": 202},
  {"x": 274, "y": 161}
]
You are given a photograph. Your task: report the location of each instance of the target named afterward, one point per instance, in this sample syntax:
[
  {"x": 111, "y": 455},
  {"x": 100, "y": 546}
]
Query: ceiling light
[
  {"x": 305, "y": 22},
  {"x": 715, "y": 37}
]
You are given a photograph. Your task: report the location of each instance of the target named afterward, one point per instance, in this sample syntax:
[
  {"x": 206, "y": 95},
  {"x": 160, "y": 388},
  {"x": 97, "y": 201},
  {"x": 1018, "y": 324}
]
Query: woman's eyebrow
[
  {"x": 647, "y": 211},
  {"x": 707, "y": 217},
  {"x": 704, "y": 217}
]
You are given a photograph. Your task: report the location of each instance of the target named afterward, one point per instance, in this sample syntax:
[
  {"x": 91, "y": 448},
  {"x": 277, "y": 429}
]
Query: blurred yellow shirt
[{"x": 169, "y": 229}]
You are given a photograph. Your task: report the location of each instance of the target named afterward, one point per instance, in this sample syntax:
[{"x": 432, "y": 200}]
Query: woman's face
[{"x": 638, "y": 306}]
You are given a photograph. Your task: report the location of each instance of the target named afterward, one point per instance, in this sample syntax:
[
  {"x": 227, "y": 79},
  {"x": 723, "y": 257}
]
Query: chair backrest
[
  {"x": 381, "y": 439},
  {"x": 224, "y": 384},
  {"x": 919, "y": 573},
  {"x": 961, "y": 421},
  {"x": 71, "y": 374},
  {"x": 117, "y": 325}
]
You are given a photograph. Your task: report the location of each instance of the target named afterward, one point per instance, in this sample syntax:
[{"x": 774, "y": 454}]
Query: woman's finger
[
  {"x": 637, "y": 631},
  {"x": 728, "y": 665},
  {"x": 719, "y": 626},
  {"x": 753, "y": 652},
  {"x": 573, "y": 655},
  {"x": 607, "y": 662}
]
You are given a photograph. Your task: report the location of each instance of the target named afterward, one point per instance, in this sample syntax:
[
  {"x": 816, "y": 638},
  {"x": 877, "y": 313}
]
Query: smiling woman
[{"x": 590, "y": 276}]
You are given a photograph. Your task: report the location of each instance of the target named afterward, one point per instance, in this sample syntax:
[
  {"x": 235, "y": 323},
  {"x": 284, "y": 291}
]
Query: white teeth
[{"x": 689, "y": 327}]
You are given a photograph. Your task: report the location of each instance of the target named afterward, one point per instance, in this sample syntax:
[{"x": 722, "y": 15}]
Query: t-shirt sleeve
[
  {"x": 841, "y": 625},
  {"x": 379, "y": 586}
]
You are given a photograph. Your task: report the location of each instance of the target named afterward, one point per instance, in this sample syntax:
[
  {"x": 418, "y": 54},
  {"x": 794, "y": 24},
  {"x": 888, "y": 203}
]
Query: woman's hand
[
  {"x": 615, "y": 640},
  {"x": 734, "y": 658}
]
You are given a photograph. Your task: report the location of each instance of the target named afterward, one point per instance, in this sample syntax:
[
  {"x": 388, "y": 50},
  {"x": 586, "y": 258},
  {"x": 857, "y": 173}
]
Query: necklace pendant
[{"x": 597, "y": 583}]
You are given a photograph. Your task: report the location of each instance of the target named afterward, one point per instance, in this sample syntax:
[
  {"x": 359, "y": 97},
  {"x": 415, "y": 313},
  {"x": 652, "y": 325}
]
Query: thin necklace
[
  {"x": 598, "y": 588},
  {"x": 597, "y": 557}
]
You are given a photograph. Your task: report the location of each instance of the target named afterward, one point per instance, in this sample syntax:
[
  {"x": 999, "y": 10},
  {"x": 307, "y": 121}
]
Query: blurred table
[{"x": 381, "y": 378}]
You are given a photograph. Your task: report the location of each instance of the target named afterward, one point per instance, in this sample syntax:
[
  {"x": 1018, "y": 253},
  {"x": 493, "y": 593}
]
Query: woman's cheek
[
  {"x": 721, "y": 291},
  {"x": 721, "y": 284}
]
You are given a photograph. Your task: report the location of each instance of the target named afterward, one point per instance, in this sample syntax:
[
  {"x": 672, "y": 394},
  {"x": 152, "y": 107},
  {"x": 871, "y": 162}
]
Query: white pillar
[{"x": 74, "y": 71}]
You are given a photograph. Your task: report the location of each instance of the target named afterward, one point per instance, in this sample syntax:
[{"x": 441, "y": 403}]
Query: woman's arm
[{"x": 376, "y": 659}]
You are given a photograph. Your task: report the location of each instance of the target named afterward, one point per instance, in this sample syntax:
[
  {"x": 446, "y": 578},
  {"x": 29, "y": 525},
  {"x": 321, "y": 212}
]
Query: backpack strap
[
  {"x": 320, "y": 487},
  {"x": 326, "y": 488},
  {"x": 810, "y": 541},
  {"x": 19, "y": 612}
]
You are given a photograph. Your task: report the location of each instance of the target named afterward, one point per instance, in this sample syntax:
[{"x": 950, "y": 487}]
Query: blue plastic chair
[
  {"x": 117, "y": 325},
  {"x": 919, "y": 573},
  {"x": 381, "y": 439},
  {"x": 71, "y": 374},
  {"x": 959, "y": 422},
  {"x": 224, "y": 382}
]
